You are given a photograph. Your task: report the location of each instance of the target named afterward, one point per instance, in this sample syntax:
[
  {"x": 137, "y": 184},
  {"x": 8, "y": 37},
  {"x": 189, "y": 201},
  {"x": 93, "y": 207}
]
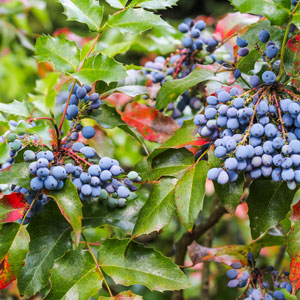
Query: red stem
[
  {"x": 280, "y": 116},
  {"x": 179, "y": 65},
  {"x": 77, "y": 156}
]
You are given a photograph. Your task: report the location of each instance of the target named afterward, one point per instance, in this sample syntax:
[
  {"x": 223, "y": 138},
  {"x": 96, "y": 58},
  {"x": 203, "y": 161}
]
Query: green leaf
[
  {"x": 230, "y": 194},
  {"x": 70, "y": 206},
  {"x": 268, "y": 204},
  {"x": 159, "y": 208},
  {"x": 49, "y": 240},
  {"x": 134, "y": 264},
  {"x": 45, "y": 87},
  {"x": 247, "y": 65},
  {"x": 117, "y": 48},
  {"x": 190, "y": 193},
  {"x": 74, "y": 276},
  {"x": 100, "y": 67},
  {"x": 135, "y": 20},
  {"x": 18, "y": 175},
  {"x": 13, "y": 246},
  {"x": 172, "y": 89},
  {"x": 169, "y": 163},
  {"x": 277, "y": 11},
  {"x": 63, "y": 53},
  {"x": 117, "y": 3},
  {"x": 84, "y": 11},
  {"x": 15, "y": 108},
  {"x": 97, "y": 214},
  {"x": 4, "y": 149},
  {"x": 154, "y": 4}
]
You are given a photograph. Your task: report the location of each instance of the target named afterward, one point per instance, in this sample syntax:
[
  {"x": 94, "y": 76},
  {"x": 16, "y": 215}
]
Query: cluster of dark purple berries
[
  {"x": 258, "y": 283},
  {"x": 15, "y": 141},
  {"x": 253, "y": 133},
  {"x": 182, "y": 63},
  {"x": 270, "y": 54}
]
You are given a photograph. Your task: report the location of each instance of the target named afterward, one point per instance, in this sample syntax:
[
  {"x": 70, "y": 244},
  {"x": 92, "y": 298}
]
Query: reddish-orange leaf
[
  {"x": 12, "y": 207},
  {"x": 149, "y": 122},
  {"x": 118, "y": 100},
  {"x": 6, "y": 274}
]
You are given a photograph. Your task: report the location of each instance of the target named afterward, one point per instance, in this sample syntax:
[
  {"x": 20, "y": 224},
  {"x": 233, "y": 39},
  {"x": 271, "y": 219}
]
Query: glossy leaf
[
  {"x": 15, "y": 108},
  {"x": 190, "y": 193},
  {"x": 230, "y": 194},
  {"x": 117, "y": 3},
  {"x": 168, "y": 163},
  {"x": 48, "y": 241},
  {"x": 149, "y": 122},
  {"x": 85, "y": 11},
  {"x": 154, "y": 4},
  {"x": 135, "y": 20},
  {"x": 18, "y": 174},
  {"x": 277, "y": 11},
  {"x": 14, "y": 241},
  {"x": 132, "y": 263},
  {"x": 12, "y": 207},
  {"x": 172, "y": 89},
  {"x": 63, "y": 53},
  {"x": 70, "y": 206},
  {"x": 74, "y": 276},
  {"x": 246, "y": 65},
  {"x": 4, "y": 149},
  {"x": 268, "y": 204},
  {"x": 159, "y": 208},
  {"x": 100, "y": 67},
  {"x": 97, "y": 214}
]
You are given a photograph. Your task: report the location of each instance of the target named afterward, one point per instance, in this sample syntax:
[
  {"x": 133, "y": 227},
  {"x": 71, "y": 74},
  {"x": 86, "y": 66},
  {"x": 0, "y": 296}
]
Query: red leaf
[
  {"x": 13, "y": 207},
  {"x": 149, "y": 122},
  {"x": 233, "y": 23},
  {"x": 6, "y": 274},
  {"x": 118, "y": 100}
]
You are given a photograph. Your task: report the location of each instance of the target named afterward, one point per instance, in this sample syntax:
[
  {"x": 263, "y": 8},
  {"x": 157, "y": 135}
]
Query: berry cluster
[
  {"x": 258, "y": 283},
  {"x": 15, "y": 141},
  {"x": 257, "y": 132},
  {"x": 182, "y": 63}
]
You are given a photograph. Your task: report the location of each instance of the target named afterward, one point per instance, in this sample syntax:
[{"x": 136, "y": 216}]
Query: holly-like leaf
[
  {"x": 15, "y": 108},
  {"x": 268, "y": 204},
  {"x": 14, "y": 241},
  {"x": 190, "y": 193},
  {"x": 135, "y": 20},
  {"x": 74, "y": 276},
  {"x": 49, "y": 240},
  {"x": 293, "y": 238},
  {"x": 154, "y": 4},
  {"x": 291, "y": 61},
  {"x": 70, "y": 206},
  {"x": 296, "y": 18},
  {"x": 132, "y": 263},
  {"x": 169, "y": 163},
  {"x": 100, "y": 67},
  {"x": 159, "y": 208},
  {"x": 246, "y": 65},
  {"x": 172, "y": 89},
  {"x": 149, "y": 122},
  {"x": 18, "y": 174},
  {"x": 126, "y": 295},
  {"x": 4, "y": 149},
  {"x": 12, "y": 207},
  {"x": 277, "y": 11},
  {"x": 63, "y": 53},
  {"x": 97, "y": 214},
  {"x": 85, "y": 11},
  {"x": 117, "y": 3},
  {"x": 233, "y": 23},
  {"x": 230, "y": 194}
]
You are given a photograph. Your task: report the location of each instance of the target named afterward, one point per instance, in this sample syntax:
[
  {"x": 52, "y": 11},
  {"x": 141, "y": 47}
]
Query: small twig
[
  {"x": 280, "y": 117},
  {"x": 73, "y": 154},
  {"x": 29, "y": 209}
]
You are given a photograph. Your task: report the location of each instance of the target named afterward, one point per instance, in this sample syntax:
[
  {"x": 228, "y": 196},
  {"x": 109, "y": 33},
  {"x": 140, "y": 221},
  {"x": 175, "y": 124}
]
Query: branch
[{"x": 189, "y": 237}]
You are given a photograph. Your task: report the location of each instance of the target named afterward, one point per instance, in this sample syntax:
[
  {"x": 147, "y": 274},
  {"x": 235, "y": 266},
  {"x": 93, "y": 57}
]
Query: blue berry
[
  {"x": 254, "y": 81},
  {"x": 123, "y": 192},
  {"x": 29, "y": 155},
  {"x": 264, "y": 36},
  {"x": 77, "y": 146},
  {"x": 72, "y": 111},
  {"x": 88, "y": 152},
  {"x": 105, "y": 175},
  {"x": 33, "y": 167},
  {"x": 50, "y": 183},
  {"x": 81, "y": 92},
  {"x": 232, "y": 274},
  {"x": 213, "y": 173},
  {"x": 43, "y": 172},
  {"x": 223, "y": 177},
  {"x": 195, "y": 33},
  {"x": 86, "y": 190},
  {"x": 42, "y": 163},
  {"x": 243, "y": 52},
  {"x": 105, "y": 163},
  {"x": 224, "y": 97},
  {"x": 59, "y": 172},
  {"x": 36, "y": 184},
  {"x": 187, "y": 42},
  {"x": 88, "y": 132},
  {"x": 269, "y": 77},
  {"x": 201, "y": 25},
  {"x": 272, "y": 51},
  {"x": 241, "y": 42},
  {"x": 85, "y": 177},
  {"x": 183, "y": 28}
]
